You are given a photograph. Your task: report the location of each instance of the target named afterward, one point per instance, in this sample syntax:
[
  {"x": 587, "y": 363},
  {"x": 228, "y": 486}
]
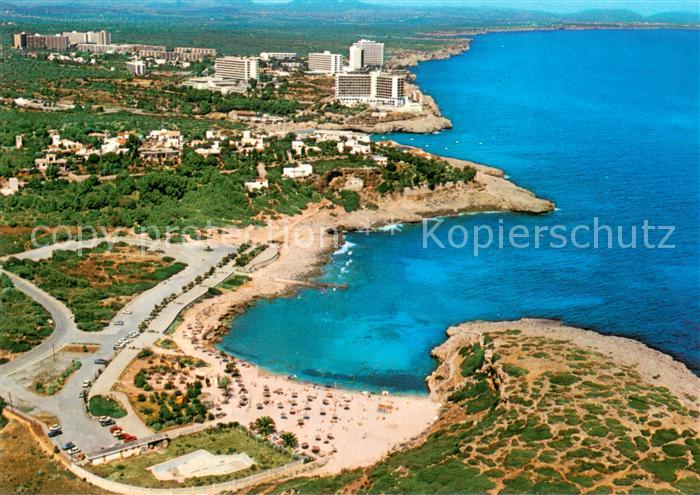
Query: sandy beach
[{"x": 352, "y": 429}]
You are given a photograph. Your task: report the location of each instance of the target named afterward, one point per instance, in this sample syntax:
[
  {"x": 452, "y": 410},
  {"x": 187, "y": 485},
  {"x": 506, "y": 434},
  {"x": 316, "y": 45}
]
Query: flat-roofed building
[
  {"x": 20, "y": 40},
  {"x": 157, "y": 54},
  {"x": 357, "y": 57},
  {"x": 101, "y": 37},
  {"x": 237, "y": 68},
  {"x": 75, "y": 37},
  {"x": 372, "y": 53},
  {"x": 374, "y": 88},
  {"x": 325, "y": 63},
  {"x": 267, "y": 56},
  {"x": 55, "y": 42},
  {"x": 136, "y": 67},
  {"x": 191, "y": 54}
]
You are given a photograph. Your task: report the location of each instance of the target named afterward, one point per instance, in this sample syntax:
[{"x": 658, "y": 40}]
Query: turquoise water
[{"x": 604, "y": 123}]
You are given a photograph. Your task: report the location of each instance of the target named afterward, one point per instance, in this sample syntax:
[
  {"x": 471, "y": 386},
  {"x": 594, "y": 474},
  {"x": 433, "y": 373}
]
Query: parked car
[
  {"x": 118, "y": 323},
  {"x": 55, "y": 427},
  {"x": 86, "y": 383},
  {"x": 68, "y": 446},
  {"x": 81, "y": 395},
  {"x": 106, "y": 421},
  {"x": 54, "y": 433},
  {"x": 101, "y": 361},
  {"x": 126, "y": 312}
]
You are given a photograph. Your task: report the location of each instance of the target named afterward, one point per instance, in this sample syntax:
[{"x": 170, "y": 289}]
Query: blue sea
[{"x": 603, "y": 123}]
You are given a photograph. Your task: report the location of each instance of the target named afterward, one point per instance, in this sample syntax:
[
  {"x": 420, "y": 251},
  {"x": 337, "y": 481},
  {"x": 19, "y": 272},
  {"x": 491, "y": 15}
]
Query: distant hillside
[{"x": 345, "y": 10}]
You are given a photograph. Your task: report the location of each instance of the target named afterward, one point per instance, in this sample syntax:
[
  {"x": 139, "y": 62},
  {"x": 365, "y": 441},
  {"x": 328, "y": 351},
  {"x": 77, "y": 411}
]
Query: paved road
[{"x": 77, "y": 425}]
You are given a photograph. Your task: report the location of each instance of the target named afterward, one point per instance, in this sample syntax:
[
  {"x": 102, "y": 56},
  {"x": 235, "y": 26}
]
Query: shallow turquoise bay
[{"x": 604, "y": 123}]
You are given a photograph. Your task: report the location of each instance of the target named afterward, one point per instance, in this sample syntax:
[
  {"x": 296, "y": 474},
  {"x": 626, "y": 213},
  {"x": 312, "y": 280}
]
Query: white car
[
  {"x": 86, "y": 383},
  {"x": 55, "y": 427},
  {"x": 126, "y": 312},
  {"x": 119, "y": 323}
]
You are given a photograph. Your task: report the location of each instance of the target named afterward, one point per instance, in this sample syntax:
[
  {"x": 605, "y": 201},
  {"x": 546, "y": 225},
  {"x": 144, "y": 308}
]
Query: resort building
[
  {"x": 193, "y": 54},
  {"x": 75, "y": 37},
  {"x": 218, "y": 84},
  {"x": 374, "y": 89},
  {"x": 55, "y": 42},
  {"x": 256, "y": 185},
  {"x": 60, "y": 42},
  {"x": 325, "y": 63},
  {"x": 366, "y": 53},
  {"x": 357, "y": 58},
  {"x": 237, "y": 68},
  {"x": 101, "y": 37},
  {"x": 267, "y": 56},
  {"x": 136, "y": 67},
  {"x": 299, "y": 172}
]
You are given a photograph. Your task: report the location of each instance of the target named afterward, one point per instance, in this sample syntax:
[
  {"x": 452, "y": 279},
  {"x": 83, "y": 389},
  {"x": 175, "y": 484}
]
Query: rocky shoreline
[{"x": 656, "y": 368}]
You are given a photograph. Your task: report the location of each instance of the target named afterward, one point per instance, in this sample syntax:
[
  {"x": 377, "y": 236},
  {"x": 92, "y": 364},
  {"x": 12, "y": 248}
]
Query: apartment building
[
  {"x": 367, "y": 53},
  {"x": 75, "y": 37},
  {"x": 101, "y": 37},
  {"x": 27, "y": 41},
  {"x": 325, "y": 63},
  {"x": 374, "y": 88},
  {"x": 357, "y": 57},
  {"x": 238, "y": 68},
  {"x": 267, "y": 56},
  {"x": 192, "y": 54},
  {"x": 136, "y": 67},
  {"x": 160, "y": 55}
]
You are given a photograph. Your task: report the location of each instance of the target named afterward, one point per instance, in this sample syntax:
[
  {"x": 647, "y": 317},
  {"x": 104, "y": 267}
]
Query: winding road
[{"x": 77, "y": 425}]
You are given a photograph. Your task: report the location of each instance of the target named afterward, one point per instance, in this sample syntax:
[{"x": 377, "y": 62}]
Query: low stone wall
[
  {"x": 268, "y": 476},
  {"x": 38, "y": 430}
]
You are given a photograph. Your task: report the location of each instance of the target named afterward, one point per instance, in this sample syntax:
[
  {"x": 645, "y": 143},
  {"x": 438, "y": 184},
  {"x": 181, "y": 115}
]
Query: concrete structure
[
  {"x": 75, "y": 37},
  {"x": 237, "y": 68},
  {"x": 10, "y": 187},
  {"x": 356, "y": 61},
  {"x": 136, "y": 67},
  {"x": 55, "y": 42},
  {"x": 257, "y": 185},
  {"x": 101, "y": 37},
  {"x": 371, "y": 52},
  {"x": 214, "y": 83},
  {"x": 374, "y": 89},
  {"x": 267, "y": 56},
  {"x": 121, "y": 48},
  {"x": 325, "y": 63},
  {"x": 191, "y": 54},
  {"x": 299, "y": 172},
  {"x": 200, "y": 463}
]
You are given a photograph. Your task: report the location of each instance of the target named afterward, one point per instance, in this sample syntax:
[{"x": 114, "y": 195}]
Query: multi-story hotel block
[
  {"x": 267, "y": 56},
  {"x": 61, "y": 41},
  {"x": 366, "y": 53},
  {"x": 374, "y": 89},
  {"x": 27, "y": 41},
  {"x": 136, "y": 67},
  {"x": 325, "y": 63},
  {"x": 237, "y": 68},
  {"x": 192, "y": 54}
]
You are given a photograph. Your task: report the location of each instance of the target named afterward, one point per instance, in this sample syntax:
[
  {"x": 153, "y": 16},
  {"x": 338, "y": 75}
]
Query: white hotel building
[
  {"x": 374, "y": 89},
  {"x": 366, "y": 53},
  {"x": 325, "y": 63},
  {"x": 237, "y": 68}
]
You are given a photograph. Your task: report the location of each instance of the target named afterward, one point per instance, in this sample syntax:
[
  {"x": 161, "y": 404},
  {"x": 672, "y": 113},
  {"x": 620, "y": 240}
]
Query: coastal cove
[{"x": 603, "y": 123}]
